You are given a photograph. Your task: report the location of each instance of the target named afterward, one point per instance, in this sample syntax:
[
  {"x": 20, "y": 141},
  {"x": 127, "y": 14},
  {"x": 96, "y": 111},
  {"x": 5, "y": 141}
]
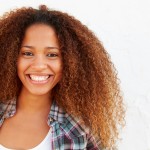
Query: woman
[{"x": 59, "y": 88}]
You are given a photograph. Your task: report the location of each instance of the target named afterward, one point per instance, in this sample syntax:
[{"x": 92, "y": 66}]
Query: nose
[{"x": 39, "y": 63}]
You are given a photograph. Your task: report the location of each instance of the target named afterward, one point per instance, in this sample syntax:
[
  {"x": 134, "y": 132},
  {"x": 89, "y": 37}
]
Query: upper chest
[{"x": 15, "y": 133}]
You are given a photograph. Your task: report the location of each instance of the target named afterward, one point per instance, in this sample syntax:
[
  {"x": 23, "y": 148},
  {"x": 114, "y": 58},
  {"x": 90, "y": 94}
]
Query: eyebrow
[{"x": 49, "y": 47}]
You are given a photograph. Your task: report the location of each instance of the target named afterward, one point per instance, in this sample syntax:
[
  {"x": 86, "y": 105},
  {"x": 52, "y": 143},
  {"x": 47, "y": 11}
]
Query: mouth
[{"x": 38, "y": 79}]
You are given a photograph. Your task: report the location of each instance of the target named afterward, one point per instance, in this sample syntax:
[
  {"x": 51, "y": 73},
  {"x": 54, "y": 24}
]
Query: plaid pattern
[{"x": 67, "y": 133}]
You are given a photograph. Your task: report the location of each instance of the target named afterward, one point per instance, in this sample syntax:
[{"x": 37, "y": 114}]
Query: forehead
[
  {"x": 35, "y": 28},
  {"x": 40, "y": 34}
]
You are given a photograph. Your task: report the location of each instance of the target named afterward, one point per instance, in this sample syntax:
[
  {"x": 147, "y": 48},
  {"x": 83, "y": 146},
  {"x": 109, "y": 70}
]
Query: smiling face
[{"x": 39, "y": 63}]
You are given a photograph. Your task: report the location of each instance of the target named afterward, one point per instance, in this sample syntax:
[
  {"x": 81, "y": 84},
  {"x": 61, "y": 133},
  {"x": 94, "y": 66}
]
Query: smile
[{"x": 39, "y": 78}]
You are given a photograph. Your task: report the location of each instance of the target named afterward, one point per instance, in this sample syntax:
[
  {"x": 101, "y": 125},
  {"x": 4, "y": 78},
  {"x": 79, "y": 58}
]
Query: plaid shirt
[{"x": 67, "y": 133}]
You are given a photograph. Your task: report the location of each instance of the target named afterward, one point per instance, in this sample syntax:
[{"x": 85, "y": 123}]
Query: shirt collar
[
  {"x": 7, "y": 109},
  {"x": 57, "y": 113}
]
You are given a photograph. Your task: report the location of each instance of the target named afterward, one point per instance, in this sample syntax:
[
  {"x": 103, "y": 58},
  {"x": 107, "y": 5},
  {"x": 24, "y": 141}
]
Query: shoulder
[
  {"x": 70, "y": 131},
  {"x": 80, "y": 134}
]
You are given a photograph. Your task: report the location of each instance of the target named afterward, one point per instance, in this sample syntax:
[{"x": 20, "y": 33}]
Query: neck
[{"x": 33, "y": 104}]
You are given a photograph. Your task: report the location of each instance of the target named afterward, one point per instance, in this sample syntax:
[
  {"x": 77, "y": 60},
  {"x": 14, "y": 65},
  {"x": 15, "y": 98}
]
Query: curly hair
[{"x": 89, "y": 88}]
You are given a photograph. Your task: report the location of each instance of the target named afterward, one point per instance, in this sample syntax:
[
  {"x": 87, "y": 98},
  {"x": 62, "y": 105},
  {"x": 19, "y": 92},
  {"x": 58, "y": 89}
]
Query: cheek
[
  {"x": 20, "y": 67},
  {"x": 60, "y": 69},
  {"x": 56, "y": 66}
]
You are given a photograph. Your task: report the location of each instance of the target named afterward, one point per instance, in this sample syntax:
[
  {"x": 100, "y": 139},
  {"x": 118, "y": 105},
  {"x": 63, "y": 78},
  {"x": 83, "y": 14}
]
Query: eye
[
  {"x": 52, "y": 55},
  {"x": 27, "y": 54}
]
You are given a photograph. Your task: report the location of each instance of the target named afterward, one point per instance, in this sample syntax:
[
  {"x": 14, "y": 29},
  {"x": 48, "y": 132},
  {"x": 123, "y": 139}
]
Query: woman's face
[{"x": 40, "y": 62}]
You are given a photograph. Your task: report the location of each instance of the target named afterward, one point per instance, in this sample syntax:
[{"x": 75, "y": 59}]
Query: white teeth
[{"x": 38, "y": 78}]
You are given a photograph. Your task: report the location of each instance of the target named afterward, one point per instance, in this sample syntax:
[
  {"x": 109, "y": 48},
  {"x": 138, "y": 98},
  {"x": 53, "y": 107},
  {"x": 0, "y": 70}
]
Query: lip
[
  {"x": 40, "y": 82},
  {"x": 39, "y": 74}
]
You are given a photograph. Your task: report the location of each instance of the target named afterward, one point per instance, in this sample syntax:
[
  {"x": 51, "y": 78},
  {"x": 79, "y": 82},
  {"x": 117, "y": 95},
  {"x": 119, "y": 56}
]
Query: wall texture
[{"x": 123, "y": 26}]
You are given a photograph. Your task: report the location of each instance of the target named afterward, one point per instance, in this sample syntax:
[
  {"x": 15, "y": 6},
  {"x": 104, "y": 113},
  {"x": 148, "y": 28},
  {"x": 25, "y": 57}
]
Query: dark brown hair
[{"x": 89, "y": 88}]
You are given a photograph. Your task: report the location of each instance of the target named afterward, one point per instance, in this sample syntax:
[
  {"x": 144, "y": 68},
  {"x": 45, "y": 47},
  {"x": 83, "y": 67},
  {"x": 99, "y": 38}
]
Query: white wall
[{"x": 124, "y": 28}]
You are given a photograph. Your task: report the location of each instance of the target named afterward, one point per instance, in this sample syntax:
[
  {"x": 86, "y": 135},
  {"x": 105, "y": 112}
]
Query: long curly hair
[{"x": 89, "y": 88}]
